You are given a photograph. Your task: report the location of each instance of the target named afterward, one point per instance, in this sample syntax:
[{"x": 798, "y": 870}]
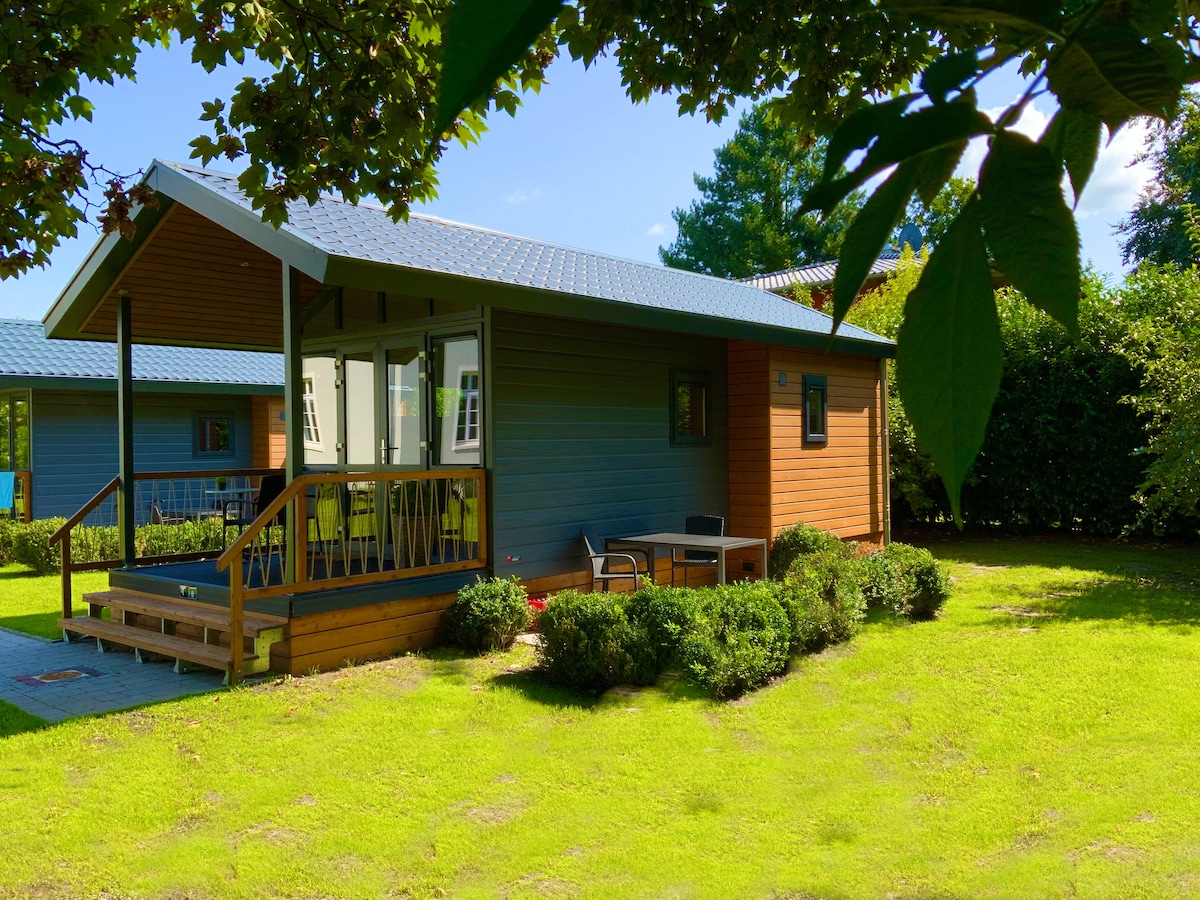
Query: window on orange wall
[{"x": 816, "y": 409}]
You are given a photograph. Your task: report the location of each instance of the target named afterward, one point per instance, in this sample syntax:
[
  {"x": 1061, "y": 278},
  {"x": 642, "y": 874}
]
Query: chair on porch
[
  {"x": 602, "y": 566},
  {"x": 241, "y": 513},
  {"x": 159, "y": 517},
  {"x": 713, "y": 526}
]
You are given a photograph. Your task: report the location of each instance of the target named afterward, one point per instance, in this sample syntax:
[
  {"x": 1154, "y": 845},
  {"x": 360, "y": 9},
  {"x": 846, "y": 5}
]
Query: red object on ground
[{"x": 536, "y": 602}]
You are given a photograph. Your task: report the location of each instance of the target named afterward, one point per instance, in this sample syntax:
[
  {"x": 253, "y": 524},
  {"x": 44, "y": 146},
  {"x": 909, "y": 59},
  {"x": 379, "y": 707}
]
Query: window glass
[
  {"x": 457, "y": 413},
  {"x": 404, "y": 404},
  {"x": 6, "y": 459},
  {"x": 320, "y": 411},
  {"x": 20, "y": 415},
  {"x": 361, "y": 444},
  {"x": 815, "y": 408},
  {"x": 691, "y": 407},
  {"x": 214, "y": 434}
]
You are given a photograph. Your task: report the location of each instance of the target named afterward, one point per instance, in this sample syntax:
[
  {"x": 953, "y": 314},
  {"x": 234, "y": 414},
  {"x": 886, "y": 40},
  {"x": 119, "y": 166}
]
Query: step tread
[
  {"x": 205, "y": 615},
  {"x": 213, "y": 655}
]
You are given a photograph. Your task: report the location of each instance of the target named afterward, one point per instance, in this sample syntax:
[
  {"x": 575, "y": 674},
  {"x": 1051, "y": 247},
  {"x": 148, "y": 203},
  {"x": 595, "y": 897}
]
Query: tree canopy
[
  {"x": 349, "y": 109},
  {"x": 747, "y": 220},
  {"x": 1158, "y": 228}
]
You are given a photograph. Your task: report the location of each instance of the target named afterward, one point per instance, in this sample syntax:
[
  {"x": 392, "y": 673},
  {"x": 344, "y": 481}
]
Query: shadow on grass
[
  {"x": 1150, "y": 604},
  {"x": 44, "y": 625},
  {"x": 14, "y": 720}
]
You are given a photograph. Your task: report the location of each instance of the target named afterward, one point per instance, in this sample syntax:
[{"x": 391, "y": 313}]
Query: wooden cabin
[
  {"x": 460, "y": 402},
  {"x": 197, "y": 410}
]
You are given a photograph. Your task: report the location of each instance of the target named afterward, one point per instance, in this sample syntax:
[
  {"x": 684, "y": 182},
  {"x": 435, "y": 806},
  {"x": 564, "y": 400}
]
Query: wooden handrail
[
  {"x": 84, "y": 510},
  {"x": 206, "y": 473},
  {"x": 302, "y": 482}
]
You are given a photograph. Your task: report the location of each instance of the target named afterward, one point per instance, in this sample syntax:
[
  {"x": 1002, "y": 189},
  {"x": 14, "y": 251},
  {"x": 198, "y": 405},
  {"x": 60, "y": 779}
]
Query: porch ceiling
[{"x": 193, "y": 282}]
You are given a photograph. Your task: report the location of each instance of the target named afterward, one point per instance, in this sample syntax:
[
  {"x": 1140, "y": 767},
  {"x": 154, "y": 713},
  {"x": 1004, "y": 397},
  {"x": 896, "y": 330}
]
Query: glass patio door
[{"x": 403, "y": 406}]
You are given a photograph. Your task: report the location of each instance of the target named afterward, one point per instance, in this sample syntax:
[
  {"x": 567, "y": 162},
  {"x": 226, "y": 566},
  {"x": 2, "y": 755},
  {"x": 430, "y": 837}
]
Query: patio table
[{"x": 703, "y": 543}]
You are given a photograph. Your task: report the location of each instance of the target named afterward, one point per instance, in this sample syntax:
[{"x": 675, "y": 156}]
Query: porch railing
[
  {"x": 346, "y": 529},
  {"x": 188, "y": 504}
]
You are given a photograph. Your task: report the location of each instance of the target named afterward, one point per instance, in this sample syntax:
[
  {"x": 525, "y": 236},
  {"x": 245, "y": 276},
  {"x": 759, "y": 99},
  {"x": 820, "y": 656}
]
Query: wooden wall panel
[
  {"x": 270, "y": 432},
  {"x": 837, "y": 486},
  {"x": 193, "y": 280},
  {"x": 749, "y": 440}
]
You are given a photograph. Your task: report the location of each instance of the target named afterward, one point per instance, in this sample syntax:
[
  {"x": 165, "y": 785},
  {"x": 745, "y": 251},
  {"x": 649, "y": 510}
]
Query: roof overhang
[
  {"x": 77, "y": 383},
  {"x": 156, "y": 280}
]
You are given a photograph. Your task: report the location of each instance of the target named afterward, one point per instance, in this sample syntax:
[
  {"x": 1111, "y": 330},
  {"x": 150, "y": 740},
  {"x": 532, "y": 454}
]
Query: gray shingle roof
[
  {"x": 366, "y": 232},
  {"x": 819, "y": 273},
  {"x": 25, "y": 350}
]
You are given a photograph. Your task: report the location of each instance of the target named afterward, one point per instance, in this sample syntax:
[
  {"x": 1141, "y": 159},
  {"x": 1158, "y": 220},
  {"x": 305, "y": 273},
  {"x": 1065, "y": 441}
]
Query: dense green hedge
[
  {"x": 28, "y": 542},
  {"x": 488, "y": 615},
  {"x": 733, "y": 638}
]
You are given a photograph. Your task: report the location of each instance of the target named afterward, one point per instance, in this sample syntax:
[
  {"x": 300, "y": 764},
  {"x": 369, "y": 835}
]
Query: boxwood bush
[
  {"x": 798, "y": 541},
  {"x": 488, "y": 615},
  {"x": 588, "y": 641},
  {"x": 823, "y": 600},
  {"x": 906, "y": 580}
]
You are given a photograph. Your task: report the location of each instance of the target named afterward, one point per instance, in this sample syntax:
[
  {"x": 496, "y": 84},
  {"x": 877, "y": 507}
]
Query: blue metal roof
[
  {"x": 26, "y": 351},
  {"x": 366, "y": 233},
  {"x": 821, "y": 273}
]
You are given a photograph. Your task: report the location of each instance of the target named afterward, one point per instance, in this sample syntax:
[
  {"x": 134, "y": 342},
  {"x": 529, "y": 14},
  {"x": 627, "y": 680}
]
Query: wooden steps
[{"x": 187, "y": 631}]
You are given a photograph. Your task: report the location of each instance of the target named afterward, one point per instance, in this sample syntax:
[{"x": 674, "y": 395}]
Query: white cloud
[
  {"x": 1116, "y": 180},
  {"x": 658, "y": 229},
  {"x": 520, "y": 195}
]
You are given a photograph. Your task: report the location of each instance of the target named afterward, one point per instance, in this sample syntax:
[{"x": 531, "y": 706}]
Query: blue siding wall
[
  {"x": 75, "y": 441},
  {"x": 581, "y": 438}
]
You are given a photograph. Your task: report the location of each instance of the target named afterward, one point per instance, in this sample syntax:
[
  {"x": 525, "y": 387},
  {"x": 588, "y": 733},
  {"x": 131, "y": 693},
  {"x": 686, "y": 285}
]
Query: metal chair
[
  {"x": 713, "y": 526},
  {"x": 601, "y": 566},
  {"x": 240, "y": 514},
  {"x": 158, "y": 517}
]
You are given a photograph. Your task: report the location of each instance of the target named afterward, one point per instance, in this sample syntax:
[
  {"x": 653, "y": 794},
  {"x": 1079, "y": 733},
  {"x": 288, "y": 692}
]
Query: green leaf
[
  {"x": 948, "y": 73},
  {"x": 484, "y": 39},
  {"x": 935, "y": 168},
  {"x": 1074, "y": 138},
  {"x": 1029, "y": 227},
  {"x": 927, "y": 129},
  {"x": 860, "y": 129},
  {"x": 867, "y": 235},
  {"x": 1112, "y": 72},
  {"x": 949, "y": 358},
  {"x": 1024, "y": 15}
]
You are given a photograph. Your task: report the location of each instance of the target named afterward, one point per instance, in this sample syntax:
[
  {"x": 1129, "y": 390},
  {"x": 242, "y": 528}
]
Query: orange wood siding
[
  {"x": 194, "y": 280},
  {"x": 270, "y": 432},
  {"x": 837, "y": 486},
  {"x": 749, "y": 441}
]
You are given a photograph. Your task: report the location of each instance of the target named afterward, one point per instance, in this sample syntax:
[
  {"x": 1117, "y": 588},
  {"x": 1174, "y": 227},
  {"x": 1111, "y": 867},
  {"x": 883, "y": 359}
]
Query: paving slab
[{"x": 56, "y": 680}]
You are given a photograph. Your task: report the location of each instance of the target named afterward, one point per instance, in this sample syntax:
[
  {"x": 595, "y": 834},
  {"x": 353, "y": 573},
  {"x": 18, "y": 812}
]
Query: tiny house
[{"x": 460, "y": 402}]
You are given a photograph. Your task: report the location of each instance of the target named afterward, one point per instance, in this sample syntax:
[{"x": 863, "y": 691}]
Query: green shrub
[
  {"x": 798, "y": 541},
  {"x": 8, "y": 533},
  {"x": 741, "y": 638},
  {"x": 666, "y": 615},
  {"x": 94, "y": 543},
  {"x": 488, "y": 615},
  {"x": 824, "y": 600},
  {"x": 31, "y": 546},
  {"x": 191, "y": 536},
  {"x": 906, "y": 580},
  {"x": 589, "y": 642}
]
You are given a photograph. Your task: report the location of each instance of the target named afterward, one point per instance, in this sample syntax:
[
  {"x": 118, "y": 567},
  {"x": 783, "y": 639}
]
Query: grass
[
  {"x": 1038, "y": 740},
  {"x": 33, "y": 603}
]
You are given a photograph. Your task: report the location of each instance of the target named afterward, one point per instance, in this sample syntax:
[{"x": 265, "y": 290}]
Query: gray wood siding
[
  {"x": 75, "y": 441},
  {"x": 581, "y": 438}
]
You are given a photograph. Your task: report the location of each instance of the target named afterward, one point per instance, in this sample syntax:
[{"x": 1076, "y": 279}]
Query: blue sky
[{"x": 578, "y": 165}]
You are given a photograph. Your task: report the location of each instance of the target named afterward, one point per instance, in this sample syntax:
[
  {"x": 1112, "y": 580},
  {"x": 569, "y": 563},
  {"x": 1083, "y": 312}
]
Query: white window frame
[{"x": 312, "y": 424}]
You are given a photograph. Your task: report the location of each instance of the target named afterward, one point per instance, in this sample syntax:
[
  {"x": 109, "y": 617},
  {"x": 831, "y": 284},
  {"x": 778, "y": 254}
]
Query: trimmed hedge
[
  {"x": 798, "y": 541},
  {"x": 589, "y": 642},
  {"x": 488, "y": 615},
  {"x": 906, "y": 580}
]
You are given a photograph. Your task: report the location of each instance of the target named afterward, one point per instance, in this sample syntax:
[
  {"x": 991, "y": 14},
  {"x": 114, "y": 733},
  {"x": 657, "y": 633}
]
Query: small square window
[
  {"x": 816, "y": 409},
  {"x": 214, "y": 435},
  {"x": 691, "y": 408}
]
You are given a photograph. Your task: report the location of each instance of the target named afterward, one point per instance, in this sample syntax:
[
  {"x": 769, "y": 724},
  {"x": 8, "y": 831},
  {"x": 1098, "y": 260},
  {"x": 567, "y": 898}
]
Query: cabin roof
[
  {"x": 27, "y": 356},
  {"x": 820, "y": 273},
  {"x": 334, "y": 242}
]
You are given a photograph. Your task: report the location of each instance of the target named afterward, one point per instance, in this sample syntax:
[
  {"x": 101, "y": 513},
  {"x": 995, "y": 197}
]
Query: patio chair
[
  {"x": 158, "y": 517},
  {"x": 602, "y": 566},
  {"x": 241, "y": 513},
  {"x": 713, "y": 526}
]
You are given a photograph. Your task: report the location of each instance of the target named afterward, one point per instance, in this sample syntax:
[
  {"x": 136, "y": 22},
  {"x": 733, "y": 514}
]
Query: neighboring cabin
[
  {"x": 196, "y": 409},
  {"x": 465, "y": 402}
]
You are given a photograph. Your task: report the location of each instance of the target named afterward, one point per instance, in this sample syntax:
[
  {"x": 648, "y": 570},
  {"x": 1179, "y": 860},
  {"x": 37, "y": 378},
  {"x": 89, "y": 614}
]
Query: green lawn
[
  {"x": 32, "y": 603},
  {"x": 1039, "y": 740}
]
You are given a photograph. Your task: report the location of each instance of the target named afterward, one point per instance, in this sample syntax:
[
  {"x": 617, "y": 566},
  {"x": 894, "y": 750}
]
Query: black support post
[
  {"x": 126, "y": 521},
  {"x": 293, "y": 402}
]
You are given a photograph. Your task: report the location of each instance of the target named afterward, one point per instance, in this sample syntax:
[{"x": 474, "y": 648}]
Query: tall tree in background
[
  {"x": 934, "y": 218},
  {"x": 1157, "y": 230},
  {"x": 747, "y": 219}
]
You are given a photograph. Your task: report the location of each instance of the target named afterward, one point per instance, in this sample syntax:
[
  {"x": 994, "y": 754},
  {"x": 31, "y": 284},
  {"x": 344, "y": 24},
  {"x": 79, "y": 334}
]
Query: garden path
[{"x": 55, "y": 680}]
